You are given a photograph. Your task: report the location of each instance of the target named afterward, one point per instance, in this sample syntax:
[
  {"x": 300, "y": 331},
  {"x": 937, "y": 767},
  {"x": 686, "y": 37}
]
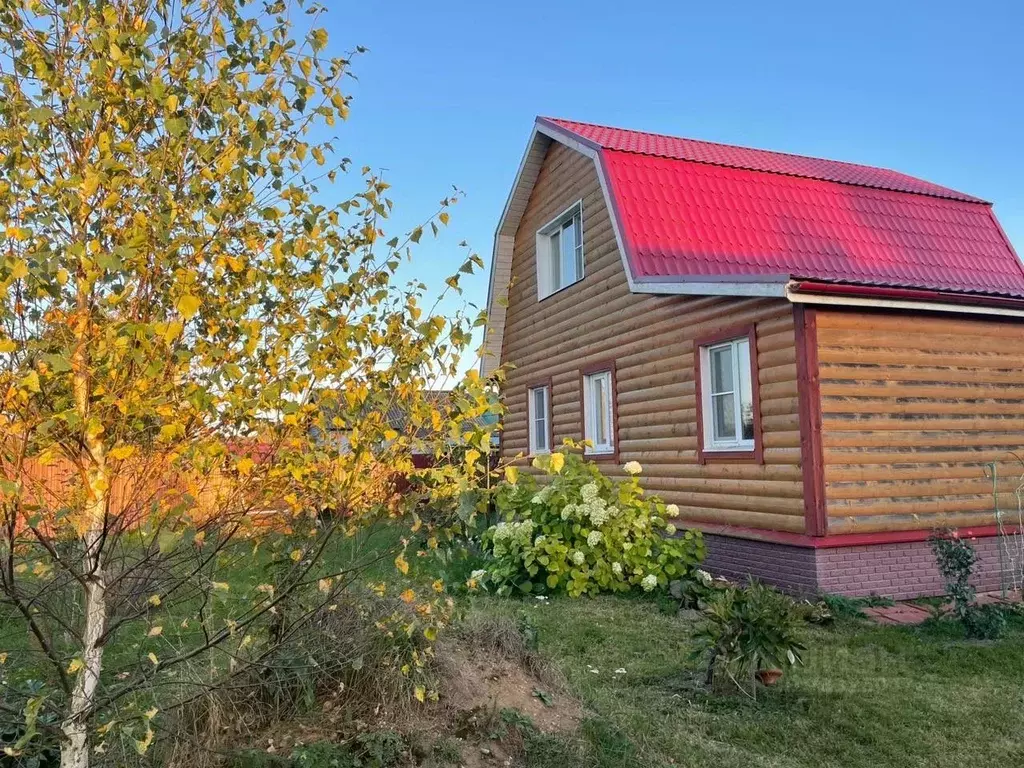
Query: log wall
[
  {"x": 914, "y": 408},
  {"x": 651, "y": 340}
]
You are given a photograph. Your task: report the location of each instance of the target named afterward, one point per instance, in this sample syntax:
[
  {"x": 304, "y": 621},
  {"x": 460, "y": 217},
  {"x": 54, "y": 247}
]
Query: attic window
[{"x": 560, "y": 252}]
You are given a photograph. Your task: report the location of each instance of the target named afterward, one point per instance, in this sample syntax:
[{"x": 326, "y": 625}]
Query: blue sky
[{"x": 448, "y": 92}]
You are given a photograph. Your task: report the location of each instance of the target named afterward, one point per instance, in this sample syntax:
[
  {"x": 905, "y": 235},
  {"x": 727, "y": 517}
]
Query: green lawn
[{"x": 868, "y": 696}]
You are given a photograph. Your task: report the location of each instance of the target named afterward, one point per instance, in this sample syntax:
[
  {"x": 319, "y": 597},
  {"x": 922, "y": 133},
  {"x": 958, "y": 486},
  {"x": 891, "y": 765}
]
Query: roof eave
[
  {"x": 714, "y": 285},
  {"x": 892, "y": 297}
]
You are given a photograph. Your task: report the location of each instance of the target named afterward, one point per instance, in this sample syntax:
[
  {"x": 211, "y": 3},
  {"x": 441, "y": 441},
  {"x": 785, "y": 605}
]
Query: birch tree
[{"x": 191, "y": 340}]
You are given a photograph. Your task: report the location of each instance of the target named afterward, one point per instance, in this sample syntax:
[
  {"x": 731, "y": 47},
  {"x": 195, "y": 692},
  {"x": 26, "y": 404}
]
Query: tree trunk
[
  {"x": 75, "y": 745},
  {"x": 74, "y": 751}
]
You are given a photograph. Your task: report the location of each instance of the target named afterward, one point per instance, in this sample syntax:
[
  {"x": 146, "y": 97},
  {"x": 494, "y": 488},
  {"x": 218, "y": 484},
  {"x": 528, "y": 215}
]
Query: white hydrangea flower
[
  {"x": 704, "y": 577},
  {"x": 542, "y": 495},
  {"x": 478, "y": 574},
  {"x": 593, "y": 538},
  {"x": 598, "y": 512},
  {"x": 578, "y": 557},
  {"x": 670, "y": 529},
  {"x": 617, "y": 569},
  {"x": 589, "y": 492},
  {"x": 633, "y": 467},
  {"x": 672, "y": 510},
  {"x": 649, "y": 582},
  {"x": 506, "y": 536}
]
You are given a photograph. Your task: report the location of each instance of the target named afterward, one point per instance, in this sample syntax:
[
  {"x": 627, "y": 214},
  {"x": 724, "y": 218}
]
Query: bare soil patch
[
  {"x": 487, "y": 684},
  {"x": 492, "y": 690}
]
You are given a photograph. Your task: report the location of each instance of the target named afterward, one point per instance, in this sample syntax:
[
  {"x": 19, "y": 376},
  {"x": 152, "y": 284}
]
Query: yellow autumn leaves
[{"x": 188, "y": 305}]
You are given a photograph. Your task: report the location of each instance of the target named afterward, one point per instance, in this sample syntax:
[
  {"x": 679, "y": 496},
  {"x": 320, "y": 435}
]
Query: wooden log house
[{"x": 820, "y": 363}]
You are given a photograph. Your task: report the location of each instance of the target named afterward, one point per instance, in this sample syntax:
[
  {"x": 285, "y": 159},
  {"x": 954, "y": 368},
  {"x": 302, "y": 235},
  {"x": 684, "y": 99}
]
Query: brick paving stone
[
  {"x": 909, "y": 614},
  {"x": 901, "y": 613}
]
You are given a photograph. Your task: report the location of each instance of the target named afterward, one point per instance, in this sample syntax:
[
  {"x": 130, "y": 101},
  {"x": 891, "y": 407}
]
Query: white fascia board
[
  {"x": 504, "y": 213},
  {"x": 772, "y": 289},
  {"x": 797, "y": 297},
  {"x": 488, "y": 361}
]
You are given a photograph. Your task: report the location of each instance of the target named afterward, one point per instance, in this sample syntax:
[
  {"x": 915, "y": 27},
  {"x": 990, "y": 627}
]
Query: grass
[{"x": 867, "y": 696}]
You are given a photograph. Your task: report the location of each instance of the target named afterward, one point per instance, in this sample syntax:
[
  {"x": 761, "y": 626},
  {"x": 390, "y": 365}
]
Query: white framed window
[
  {"x": 728, "y": 396},
  {"x": 598, "y": 412},
  {"x": 539, "y": 413},
  {"x": 560, "y": 252}
]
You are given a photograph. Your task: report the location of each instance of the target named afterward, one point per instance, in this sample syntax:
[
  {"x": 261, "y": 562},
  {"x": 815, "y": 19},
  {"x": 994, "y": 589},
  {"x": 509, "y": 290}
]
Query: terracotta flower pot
[{"x": 768, "y": 676}]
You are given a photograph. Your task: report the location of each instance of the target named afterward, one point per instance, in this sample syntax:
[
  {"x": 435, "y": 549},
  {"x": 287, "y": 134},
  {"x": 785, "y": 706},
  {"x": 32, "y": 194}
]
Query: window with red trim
[
  {"x": 599, "y": 412},
  {"x": 539, "y": 414}
]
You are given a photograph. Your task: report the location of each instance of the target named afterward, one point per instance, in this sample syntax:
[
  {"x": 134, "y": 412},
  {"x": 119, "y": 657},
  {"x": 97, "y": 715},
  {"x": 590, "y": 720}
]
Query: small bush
[
  {"x": 380, "y": 749},
  {"x": 582, "y": 533},
  {"x": 817, "y": 612},
  {"x": 985, "y": 622},
  {"x": 956, "y": 558},
  {"x": 690, "y": 594},
  {"x": 454, "y": 563},
  {"x": 748, "y": 629}
]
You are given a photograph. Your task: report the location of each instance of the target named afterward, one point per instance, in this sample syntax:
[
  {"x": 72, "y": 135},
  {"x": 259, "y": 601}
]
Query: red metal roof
[{"x": 693, "y": 209}]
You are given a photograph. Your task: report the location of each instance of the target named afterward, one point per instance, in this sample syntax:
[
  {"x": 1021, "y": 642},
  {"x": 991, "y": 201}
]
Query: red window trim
[
  {"x": 728, "y": 334},
  {"x": 536, "y": 384},
  {"x": 601, "y": 367}
]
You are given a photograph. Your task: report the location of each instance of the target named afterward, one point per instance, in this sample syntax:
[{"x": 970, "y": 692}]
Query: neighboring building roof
[
  {"x": 695, "y": 217},
  {"x": 696, "y": 209},
  {"x": 398, "y": 418}
]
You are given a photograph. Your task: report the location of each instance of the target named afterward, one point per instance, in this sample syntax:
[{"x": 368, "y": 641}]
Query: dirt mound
[
  {"x": 494, "y": 692},
  {"x": 484, "y": 684}
]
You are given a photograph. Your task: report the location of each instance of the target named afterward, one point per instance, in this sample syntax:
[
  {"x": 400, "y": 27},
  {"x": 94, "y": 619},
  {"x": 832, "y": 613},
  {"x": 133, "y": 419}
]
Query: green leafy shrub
[
  {"x": 747, "y": 629},
  {"x": 690, "y": 594},
  {"x": 956, "y": 558},
  {"x": 583, "y": 533},
  {"x": 985, "y": 622},
  {"x": 454, "y": 563}
]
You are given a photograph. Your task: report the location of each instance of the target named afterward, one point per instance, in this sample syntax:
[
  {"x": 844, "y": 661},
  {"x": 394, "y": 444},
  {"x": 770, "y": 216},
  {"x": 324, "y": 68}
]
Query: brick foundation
[{"x": 899, "y": 570}]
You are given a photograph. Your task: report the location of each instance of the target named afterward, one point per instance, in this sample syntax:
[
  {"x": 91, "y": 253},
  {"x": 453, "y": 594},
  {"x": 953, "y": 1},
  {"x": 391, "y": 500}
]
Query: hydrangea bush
[{"x": 583, "y": 533}]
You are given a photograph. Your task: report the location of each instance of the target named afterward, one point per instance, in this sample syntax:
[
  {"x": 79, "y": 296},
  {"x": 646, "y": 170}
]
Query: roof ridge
[
  {"x": 725, "y": 144},
  {"x": 952, "y": 194}
]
